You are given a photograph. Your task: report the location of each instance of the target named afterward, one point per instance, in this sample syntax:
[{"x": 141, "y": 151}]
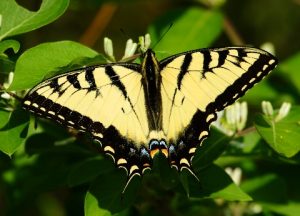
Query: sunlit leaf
[
  {"x": 36, "y": 63},
  {"x": 17, "y": 19},
  {"x": 92, "y": 208},
  {"x": 6, "y": 44},
  {"x": 283, "y": 136}
]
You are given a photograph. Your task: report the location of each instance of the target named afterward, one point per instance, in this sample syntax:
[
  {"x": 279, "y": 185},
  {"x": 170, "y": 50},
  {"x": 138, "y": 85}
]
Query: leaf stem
[{"x": 245, "y": 131}]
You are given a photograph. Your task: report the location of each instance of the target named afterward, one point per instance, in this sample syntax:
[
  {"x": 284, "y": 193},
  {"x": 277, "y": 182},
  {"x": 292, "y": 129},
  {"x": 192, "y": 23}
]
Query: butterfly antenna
[
  {"x": 124, "y": 33},
  {"x": 163, "y": 35}
]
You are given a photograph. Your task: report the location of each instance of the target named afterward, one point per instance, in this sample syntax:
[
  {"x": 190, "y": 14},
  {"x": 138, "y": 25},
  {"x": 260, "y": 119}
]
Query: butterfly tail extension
[
  {"x": 181, "y": 155},
  {"x": 137, "y": 165},
  {"x": 180, "y": 158},
  {"x": 135, "y": 161}
]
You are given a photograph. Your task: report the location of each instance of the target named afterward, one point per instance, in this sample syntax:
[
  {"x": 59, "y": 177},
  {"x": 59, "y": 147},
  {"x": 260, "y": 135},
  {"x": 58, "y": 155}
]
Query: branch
[
  {"x": 232, "y": 33},
  {"x": 96, "y": 28}
]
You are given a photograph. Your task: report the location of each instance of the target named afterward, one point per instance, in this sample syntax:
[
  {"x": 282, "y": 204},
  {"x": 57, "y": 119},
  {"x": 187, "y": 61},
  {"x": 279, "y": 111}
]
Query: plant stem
[{"x": 10, "y": 93}]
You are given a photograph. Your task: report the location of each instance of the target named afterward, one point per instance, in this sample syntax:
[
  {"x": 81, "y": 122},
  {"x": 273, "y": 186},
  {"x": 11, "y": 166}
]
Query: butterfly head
[
  {"x": 148, "y": 53},
  {"x": 150, "y": 62}
]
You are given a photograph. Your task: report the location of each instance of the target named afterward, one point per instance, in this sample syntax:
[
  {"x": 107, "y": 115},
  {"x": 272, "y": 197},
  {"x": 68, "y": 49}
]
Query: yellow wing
[{"x": 197, "y": 84}]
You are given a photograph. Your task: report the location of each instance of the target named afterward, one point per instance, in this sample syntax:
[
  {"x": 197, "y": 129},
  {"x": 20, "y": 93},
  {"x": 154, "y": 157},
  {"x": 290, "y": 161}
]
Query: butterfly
[{"x": 135, "y": 111}]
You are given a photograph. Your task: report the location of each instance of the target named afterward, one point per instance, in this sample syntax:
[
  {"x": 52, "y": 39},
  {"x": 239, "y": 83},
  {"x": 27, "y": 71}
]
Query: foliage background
[{"x": 47, "y": 171}]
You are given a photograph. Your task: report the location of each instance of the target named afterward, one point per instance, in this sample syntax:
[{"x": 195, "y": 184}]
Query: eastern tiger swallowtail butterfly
[{"x": 135, "y": 111}]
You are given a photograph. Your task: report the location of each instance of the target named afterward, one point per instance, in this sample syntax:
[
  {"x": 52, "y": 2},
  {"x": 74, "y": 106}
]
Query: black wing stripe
[
  {"x": 72, "y": 78},
  {"x": 115, "y": 80},
  {"x": 54, "y": 84},
  {"x": 222, "y": 57},
  {"x": 241, "y": 54},
  {"x": 206, "y": 60},
  {"x": 184, "y": 69},
  {"x": 89, "y": 77}
]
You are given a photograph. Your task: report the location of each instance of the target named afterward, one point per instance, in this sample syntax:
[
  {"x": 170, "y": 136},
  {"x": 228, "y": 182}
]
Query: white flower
[
  {"x": 129, "y": 49},
  {"x": 233, "y": 118},
  {"x": 108, "y": 49},
  {"x": 144, "y": 42}
]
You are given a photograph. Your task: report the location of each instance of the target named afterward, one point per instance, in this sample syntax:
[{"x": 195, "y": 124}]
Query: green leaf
[
  {"x": 249, "y": 143},
  {"x": 267, "y": 188},
  {"x": 4, "y": 45},
  {"x": 107, "y": 189},
  {"x": 4, "y": 117},
  {"x": 40, "y": 143},
  {"x": 91, "y": 207},
  {"x": 13, "y": 133},
  {"x": 167, "y": 176},
  {"x": 211, "y": 149},
  {"x": 17, "y": 20},
  {"x": 215, "y": 183},
  {"x": 89, "y": 169},
  {"x": 6, "y": 64},
  {"x": 283, "y": 136},
  {"x": 292, "y": 208},
  {"x": 291, "y": 68},
  {"x": 192, "y": 29},
  {"x": 35, "y": 63}
]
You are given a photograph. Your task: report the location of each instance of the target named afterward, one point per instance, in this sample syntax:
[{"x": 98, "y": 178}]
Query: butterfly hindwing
[{"x": 197, "y": 84}]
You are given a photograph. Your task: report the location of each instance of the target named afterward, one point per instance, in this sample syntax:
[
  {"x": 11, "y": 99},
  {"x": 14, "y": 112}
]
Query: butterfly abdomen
[{"x": 152, "y": 86}]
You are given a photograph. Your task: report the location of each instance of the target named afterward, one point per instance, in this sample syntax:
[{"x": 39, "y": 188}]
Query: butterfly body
[{"x": 135, "y": 111}]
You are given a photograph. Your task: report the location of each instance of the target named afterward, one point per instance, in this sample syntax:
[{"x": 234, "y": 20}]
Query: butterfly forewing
[
  {"x": 197, "y": 84},
  {"x": 95, "y": 100}
]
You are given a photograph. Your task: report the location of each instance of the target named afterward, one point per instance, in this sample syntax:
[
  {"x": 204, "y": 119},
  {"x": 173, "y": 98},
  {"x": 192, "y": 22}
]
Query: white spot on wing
[
  {"x": 202, "y": 134},
  {"x": 27, "y": 102},
  {"x": 271, "y": 61},
  {"x": 51, "y": 112}
]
